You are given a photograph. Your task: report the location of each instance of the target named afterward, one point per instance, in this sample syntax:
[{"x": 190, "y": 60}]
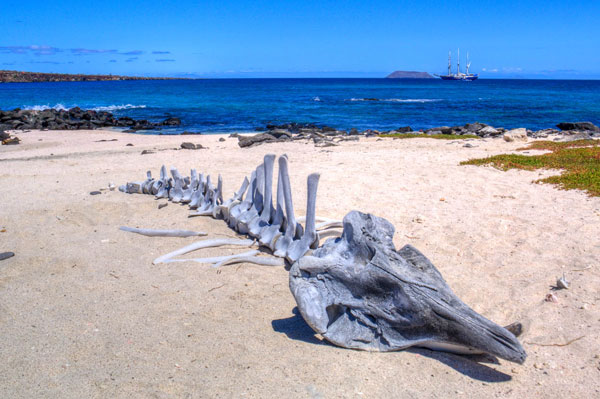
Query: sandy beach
[{"x": 85, "y": 314}]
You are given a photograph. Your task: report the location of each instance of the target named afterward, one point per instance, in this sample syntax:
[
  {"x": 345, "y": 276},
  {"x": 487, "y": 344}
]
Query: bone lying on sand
[
  {"x": 163, "y": 233},
  {"x": 356, "y": 289},
  {"x": 359, "y": 292}
]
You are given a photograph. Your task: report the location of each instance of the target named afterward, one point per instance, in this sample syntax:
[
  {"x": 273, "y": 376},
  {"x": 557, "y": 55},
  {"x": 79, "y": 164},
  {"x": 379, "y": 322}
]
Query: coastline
[{"x": 85, "y": 313}]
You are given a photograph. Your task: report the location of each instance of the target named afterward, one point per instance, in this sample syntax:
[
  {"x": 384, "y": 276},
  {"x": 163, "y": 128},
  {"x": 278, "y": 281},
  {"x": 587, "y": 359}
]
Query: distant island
[
  {"x": 409, "y": 75},
  {"x": 28, "y": 77}
]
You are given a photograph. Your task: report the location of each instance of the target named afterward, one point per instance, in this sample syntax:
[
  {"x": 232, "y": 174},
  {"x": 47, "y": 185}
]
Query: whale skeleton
[{"x": 355, "y": 289}]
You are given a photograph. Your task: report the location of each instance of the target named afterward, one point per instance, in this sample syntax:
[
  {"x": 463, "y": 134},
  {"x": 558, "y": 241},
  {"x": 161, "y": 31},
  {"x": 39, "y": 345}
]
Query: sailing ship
[{"x": 458, "y": 75}]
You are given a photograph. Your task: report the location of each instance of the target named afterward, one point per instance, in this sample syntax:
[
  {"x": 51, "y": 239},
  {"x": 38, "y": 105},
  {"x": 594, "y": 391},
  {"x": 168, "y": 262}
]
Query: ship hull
[{"x": 460, "y": 77}]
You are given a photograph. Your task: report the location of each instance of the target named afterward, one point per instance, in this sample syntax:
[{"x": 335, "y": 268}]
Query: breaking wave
[
  {"x": 399, "y": 100},
  {"x": 58, "y": 107},
  {"x": 117, "y": 107},
  {"x": 61, "y": 107}
]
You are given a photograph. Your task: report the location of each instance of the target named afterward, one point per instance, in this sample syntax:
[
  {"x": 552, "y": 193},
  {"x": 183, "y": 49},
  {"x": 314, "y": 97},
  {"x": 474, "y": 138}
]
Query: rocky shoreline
[
  {"x": 79, "y": 119},
  {"x": 75, "y": 119},
  {"x": 328, "y": 136}
]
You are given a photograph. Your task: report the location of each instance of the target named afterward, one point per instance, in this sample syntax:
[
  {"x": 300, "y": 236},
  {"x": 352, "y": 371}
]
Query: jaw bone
[
  {"x": 359, "y": 292},
  {"x": 310, "y": 238}
]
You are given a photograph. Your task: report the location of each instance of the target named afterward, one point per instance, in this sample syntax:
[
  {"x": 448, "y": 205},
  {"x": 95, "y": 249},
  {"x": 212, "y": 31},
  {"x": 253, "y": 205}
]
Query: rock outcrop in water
[
  {"x": 75, "y": 119},
  {"x": 409, "y": 75}
]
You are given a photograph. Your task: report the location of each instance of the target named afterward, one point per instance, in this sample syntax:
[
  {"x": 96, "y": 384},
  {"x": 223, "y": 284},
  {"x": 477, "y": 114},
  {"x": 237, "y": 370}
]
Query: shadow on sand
[{"x": 472, "y": 366}]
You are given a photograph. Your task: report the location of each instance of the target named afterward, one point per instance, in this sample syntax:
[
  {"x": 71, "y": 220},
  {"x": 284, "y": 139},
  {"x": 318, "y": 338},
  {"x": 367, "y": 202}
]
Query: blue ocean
[{"x": 227, "y": 105}]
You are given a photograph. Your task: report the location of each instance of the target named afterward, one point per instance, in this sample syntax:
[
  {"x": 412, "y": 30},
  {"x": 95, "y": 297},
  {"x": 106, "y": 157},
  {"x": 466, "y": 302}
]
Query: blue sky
[{"x": 529, "y": 38}]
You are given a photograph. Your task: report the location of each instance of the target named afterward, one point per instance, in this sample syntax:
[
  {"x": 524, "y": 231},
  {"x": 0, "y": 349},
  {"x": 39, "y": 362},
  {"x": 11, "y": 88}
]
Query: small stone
[
  {"x": 551, "y": 298},
  {"x": 128, "y": 145},
  {"x": 519, "y": 134},
  {"x": 188, "y": 146},
  {"x": 418, "y": 219},
  {"x": 468, "y": 145},
  {"x": 111, "y": 186},
  {"x": 95, "y": 193},
  {"x": 6, "y": 255},
  {"x": 160, "y": 206},
  {"x": 221, "y": 139},
  {"x": 147, "y": 152}
]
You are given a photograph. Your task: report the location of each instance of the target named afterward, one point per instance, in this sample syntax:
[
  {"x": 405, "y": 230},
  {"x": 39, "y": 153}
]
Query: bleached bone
[
  {"x": 325, "y": 223},
  {"x": 163, "y": 180},
  {"x": 225, "y": 208},
  {"x": 334, "y": 232},
  {"x": 359, "y": 292},
  {"x": 192, "y": 187},
  {"x": 236, "y": 210},
  {"x": 212, "y": 200},
  {"x": 198, "y": 195},
  {"x": 257, "y": 203},
  {"x": 147, "y": 184},
  {"x": 176, "y": 193},
  {"x": 270, "y": 234},
  {"x": 132, "y": 188},
  {"x": 329, "y": 225},
  {"x": 256, "y": 225},
  {"x": 293, "y": 229},
  {"x": 163, "y": 233},
  {"x": 310, "y": 238},
  {"x": 217, "y": 242},
  {"x": 258, "y": 260},
  {"x": 213, "y": 260}
]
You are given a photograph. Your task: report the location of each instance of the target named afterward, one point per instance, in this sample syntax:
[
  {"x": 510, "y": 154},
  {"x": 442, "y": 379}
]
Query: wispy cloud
[
  {"x": 112, "y": 61},
  {"x": 133, "y": 52},
  {"x": 165, "y": 60},
  {"x": 88, "y": 51},
  {"x": 131, "y": 59},
  {"x": 34, "y": 49},
  {"x": 161, "y": 52}
]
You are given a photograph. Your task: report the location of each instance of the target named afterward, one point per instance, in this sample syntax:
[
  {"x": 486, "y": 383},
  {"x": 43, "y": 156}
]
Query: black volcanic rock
[
  {"x": 73, "y": 119},
  {"x": 586, "y": 126},
  {"x": 409, "y": 75}
]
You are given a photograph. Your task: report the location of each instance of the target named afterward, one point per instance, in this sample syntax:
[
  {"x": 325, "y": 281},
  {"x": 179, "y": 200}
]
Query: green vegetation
[
  {"x": 430, "y": 136},
  {"x": 579, "y": 160}
]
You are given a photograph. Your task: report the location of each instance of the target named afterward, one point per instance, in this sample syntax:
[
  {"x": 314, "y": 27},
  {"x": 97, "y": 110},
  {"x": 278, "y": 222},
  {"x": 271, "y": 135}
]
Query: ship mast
[
  {"x": 468, "y": 63},
  {"x": 449, "y": 63},
  {"x": 458, "y": 63}
]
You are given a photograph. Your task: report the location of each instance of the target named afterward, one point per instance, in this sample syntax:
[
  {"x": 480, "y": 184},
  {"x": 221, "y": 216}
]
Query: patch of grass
[
  {"x": 430, "y": 136},
  {"x": 553, "y": 145},
  {"x": 579, "y": 160}
]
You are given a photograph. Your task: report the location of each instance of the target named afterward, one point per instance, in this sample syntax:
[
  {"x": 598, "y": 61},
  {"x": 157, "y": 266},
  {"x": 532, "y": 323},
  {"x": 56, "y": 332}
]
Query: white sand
[{"x": 84, "y": 313}]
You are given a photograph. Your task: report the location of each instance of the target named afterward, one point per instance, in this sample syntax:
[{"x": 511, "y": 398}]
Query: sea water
[{"x": 228, "y": 105}]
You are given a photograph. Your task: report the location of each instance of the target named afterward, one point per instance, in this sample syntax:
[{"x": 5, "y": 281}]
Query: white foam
[
  {"x": 61, "y": 107},
  {"x": 400, "y": 100},
  {"x": 117, "y": 107},
  {"x": 58, "y": 107}
]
